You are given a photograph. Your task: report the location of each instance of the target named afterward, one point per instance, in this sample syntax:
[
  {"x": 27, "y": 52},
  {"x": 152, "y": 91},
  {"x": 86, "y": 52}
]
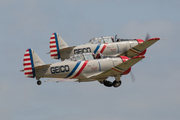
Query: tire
[
  {"x": 107, "y": 83},
  {"x": 116, "y": 83},
  {"x": 39, "y": 82}
]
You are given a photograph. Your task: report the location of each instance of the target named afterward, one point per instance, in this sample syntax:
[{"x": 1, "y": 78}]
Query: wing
[
  {"x": 135, "y": 51},
  {"x": 119, "y": 69}
]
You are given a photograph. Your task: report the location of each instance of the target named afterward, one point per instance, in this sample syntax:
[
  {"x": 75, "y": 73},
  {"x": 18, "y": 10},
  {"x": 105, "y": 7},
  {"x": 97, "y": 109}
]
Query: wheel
[
  {"x": 107, "y": 83},
  {"x": 39, "y": 82},
  {"x": 116, "y": 83}
]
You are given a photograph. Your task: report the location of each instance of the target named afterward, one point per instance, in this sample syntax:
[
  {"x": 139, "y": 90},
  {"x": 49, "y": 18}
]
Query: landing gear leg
[{"x": 117, "y": 82}]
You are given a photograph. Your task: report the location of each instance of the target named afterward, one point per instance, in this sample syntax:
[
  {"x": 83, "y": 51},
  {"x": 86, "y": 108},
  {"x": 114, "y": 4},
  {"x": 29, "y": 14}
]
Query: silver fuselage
[{"x": 79, "y": 69}]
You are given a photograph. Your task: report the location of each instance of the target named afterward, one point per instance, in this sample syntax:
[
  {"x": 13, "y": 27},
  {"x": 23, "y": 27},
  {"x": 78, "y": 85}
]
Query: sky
[{"x": 29, "y": 24}]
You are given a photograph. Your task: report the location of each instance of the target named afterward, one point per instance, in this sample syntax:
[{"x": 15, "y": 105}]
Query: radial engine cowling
[{"x": 124, "y": 59}]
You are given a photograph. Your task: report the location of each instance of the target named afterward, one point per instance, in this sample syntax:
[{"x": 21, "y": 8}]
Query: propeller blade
[
  {"x": 132, "y": 77},
  {"x": 147, "y": 37}
]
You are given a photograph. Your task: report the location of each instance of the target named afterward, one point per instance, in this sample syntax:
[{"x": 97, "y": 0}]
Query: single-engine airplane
[
  {"x": 107, "y": 46},
  {"x": 80, "y": 68}
]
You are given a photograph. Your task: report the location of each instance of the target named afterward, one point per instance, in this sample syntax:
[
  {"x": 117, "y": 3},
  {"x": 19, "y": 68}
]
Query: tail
[
  {"x": 31, "y": 60},
  {"x": 56, "y": 43}
]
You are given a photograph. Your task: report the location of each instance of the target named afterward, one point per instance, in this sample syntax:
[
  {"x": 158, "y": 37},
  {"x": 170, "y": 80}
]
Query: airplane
[
  {"x": 79, "y": 68},
  {"x": 108, "y": 46}
]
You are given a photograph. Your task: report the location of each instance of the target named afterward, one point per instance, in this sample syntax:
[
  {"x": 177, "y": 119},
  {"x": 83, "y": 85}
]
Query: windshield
[
  {"x": 108, "y": 40},
  {"x": 72, "y": 58},
  {"x": 96, "y": 41},
  {"x": 88, "y": 56},
  {"x": 101, "y": 40},
  {"x": 81, "y": 57}
]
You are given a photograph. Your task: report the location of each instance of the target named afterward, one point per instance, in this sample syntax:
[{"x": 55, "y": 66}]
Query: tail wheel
[
  {"x": 39, "y": 82},
  {"x": 107, "y": 83},
  {"x": 116, "y": 83}
]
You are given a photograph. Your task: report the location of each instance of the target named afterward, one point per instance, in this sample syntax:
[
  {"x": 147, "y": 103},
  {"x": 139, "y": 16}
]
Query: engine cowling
[
  {"x": 140, "y": 41},
  {"x": 124, "y": 59}
]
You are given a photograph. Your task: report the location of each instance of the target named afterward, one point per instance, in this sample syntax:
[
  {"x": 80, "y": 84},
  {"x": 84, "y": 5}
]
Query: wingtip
[
  {"x": 154, "y": 39},
  {"x": 140, "y": 56}
]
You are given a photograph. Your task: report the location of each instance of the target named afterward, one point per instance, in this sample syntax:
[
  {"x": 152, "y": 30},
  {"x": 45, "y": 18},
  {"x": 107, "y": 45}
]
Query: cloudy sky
[{"x": 29, "y": 24}]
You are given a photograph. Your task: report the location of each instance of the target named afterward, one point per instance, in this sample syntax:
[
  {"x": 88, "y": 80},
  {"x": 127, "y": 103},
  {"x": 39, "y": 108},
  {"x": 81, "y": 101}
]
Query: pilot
[
  {"x": 118, "y": 39},
  {"x": 112, "y": 39},
  {"x": 93, "y": 55},
  {"x": 98, "y": 56}
]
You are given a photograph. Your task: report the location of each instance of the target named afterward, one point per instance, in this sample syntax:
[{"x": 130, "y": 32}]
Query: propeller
[
  {"x": 147, "y": 37},
  {"x": 131, "y": 73},
  {"x": 132, "y": 77}
]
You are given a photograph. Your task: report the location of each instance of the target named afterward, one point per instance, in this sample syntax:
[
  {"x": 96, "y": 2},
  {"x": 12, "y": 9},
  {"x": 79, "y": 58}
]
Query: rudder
[
  {"x": 31, "y": 60},
  {"x": 56, "y": 43}
]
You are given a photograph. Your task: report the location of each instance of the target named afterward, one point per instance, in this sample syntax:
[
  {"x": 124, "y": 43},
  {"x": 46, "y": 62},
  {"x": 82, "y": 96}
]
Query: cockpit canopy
[
  {"x": 101, "y": 40},
  {"x": 108, "y": 39},
  {"x": 81, "y": 57}
]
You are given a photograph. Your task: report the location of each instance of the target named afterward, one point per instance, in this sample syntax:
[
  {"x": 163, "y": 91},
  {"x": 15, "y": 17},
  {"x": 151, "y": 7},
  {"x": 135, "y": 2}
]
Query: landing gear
[
  {"x": 116, "y": 83},
  {"x": 110, "y": 84},
  {"x": 107, "y": 83},
  {"x": 39, "y": 82}
]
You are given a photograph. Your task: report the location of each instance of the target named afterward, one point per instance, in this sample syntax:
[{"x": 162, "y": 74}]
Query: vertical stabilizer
[
  {"x": 31, "y": 60},
  {"x": 56, "y": 43}
]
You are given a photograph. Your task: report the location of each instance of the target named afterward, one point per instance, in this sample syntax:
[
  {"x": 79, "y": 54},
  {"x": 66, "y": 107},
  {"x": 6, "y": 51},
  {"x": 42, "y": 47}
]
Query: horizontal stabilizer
[
  {"x": 65, "y": 52},
  {"x": 67, "y": 49},
  {"x": 42, "y": 66}
]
